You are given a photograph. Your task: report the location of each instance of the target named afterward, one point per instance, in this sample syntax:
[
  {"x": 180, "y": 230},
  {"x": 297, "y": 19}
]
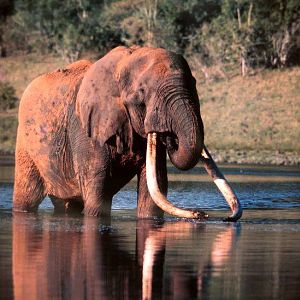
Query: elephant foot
[
  {"x": 25, "y": 208},
  {"x": 95, "y": 211},
  {"x": 67, "y": 206},
  {"x": 91, "y": 211},
  {"x": 74, "y": 207}
]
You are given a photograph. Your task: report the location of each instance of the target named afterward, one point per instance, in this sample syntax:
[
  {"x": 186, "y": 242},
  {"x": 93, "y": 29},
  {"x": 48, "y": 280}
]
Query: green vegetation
[
  {"x": 8, "y": 99},
  {"x": 8, "y": 132},
  {"x": 243, "y": 53},
  {"x": 235, "y": 32}
]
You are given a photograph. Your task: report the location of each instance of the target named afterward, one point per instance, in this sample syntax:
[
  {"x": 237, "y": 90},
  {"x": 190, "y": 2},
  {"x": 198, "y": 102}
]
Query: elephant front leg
[
  {"x": 67, "y": 206},
  {"x": 96, "y": 197},
  {"x": 146, "y": 208}
]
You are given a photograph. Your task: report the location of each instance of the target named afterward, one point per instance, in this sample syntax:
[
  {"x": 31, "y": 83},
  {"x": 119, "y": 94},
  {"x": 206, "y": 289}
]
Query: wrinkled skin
[{"x": 83, "y": 130}]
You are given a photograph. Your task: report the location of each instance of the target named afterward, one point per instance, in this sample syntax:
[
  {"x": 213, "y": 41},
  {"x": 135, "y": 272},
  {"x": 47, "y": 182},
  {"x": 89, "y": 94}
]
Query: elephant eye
[
  {"x": 141, "y": 94},
  {"x": 141, "y": 99},
  {"x": 142, "y": 105}
]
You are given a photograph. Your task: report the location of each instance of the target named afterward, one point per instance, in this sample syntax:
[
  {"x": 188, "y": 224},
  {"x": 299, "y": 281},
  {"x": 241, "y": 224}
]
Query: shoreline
[
  {"x": 257, "y": 157},
  {"x": 253, "y": 157}
]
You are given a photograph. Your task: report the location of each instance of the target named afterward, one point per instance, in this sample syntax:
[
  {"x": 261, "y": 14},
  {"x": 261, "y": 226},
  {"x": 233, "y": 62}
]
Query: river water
[{"x": 44, "y": 256}]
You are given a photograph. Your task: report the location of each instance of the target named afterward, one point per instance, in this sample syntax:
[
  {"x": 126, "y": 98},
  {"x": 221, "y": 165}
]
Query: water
[{"x": 43, "y": 256}]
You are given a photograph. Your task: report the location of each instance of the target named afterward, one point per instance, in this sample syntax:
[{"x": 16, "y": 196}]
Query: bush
[
  {"x": 68, "y": 29},
  {"x": 8, "y": 98},
  {"x": 8, "y": 133}
]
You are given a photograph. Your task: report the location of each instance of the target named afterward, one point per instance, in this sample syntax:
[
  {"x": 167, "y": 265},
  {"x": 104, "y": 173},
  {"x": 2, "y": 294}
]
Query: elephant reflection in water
[
  {"x": 182, "y": 285},
  {"x": 61, "y": 261}
]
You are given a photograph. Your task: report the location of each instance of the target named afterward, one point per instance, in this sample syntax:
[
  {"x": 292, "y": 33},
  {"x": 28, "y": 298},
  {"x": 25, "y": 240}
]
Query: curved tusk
[
  {"x": 222, "y": 185},
  {"x": 157, "y": 196}
]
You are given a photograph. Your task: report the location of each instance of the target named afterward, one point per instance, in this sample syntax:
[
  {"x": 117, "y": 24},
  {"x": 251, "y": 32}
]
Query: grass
[
  {"x": 257, "y": 113},
  {"x": 261, "y": 111},
  {"x": 21, "y": 70}
]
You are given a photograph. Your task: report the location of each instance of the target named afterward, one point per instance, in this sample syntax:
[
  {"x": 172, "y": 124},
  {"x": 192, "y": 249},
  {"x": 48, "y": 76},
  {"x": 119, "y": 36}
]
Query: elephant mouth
[{"x": 170, "y": 141}]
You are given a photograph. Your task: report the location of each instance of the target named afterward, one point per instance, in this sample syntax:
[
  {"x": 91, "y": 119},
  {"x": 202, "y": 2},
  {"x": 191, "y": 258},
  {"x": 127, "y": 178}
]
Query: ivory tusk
[
  {"x": 157, "y": 196},
  {"x": 222, "y": 185}
]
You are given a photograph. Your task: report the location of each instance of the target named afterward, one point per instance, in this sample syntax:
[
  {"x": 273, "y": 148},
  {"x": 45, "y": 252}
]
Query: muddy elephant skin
[{"x": 83, "y": 131}]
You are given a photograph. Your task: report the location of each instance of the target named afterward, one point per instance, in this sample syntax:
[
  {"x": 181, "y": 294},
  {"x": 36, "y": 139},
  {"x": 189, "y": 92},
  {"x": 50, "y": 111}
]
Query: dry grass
[
  {"x": 21, "y": 70},
  {"x": 261, "y": 111}
]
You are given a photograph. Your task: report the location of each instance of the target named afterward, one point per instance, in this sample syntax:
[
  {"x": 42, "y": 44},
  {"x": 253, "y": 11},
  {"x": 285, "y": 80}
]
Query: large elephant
[{"x": 87, "y": 130}]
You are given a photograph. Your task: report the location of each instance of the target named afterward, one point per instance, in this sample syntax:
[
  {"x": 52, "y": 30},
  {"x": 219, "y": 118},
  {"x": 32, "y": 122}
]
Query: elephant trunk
[
  {"x": 158, "y": 197},
  {"x": 188, "y": 129}
]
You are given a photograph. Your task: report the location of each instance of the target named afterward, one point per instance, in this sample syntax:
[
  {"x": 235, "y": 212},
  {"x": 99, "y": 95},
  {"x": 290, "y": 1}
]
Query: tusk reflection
[
  {"x": 155, "y": 244},
  {"x": 222, "y": 247}
]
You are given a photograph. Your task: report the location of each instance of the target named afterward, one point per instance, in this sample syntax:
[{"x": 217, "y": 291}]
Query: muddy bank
[
  {"x": 7, "y": 159},
  {"x": 260, "y": 157}
]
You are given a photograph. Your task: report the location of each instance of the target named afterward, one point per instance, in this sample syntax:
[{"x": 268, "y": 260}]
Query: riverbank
[
  {"x": 257, "y": 157},
  {"x": 253, "y": 157}
]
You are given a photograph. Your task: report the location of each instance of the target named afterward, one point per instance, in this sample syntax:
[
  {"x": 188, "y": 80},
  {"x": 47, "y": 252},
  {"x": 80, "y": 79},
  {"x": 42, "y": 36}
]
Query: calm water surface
[{"x": 44, "y": 256}]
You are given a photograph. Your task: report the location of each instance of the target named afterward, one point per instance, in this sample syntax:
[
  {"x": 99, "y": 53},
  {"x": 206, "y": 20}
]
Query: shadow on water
[{"x": 124, "y": 258}]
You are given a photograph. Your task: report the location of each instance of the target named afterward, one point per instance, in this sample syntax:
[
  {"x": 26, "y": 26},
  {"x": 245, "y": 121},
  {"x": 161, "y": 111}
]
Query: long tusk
[
  {"x": 153, "y": 188},
  {"x": 222, "y": 185}
]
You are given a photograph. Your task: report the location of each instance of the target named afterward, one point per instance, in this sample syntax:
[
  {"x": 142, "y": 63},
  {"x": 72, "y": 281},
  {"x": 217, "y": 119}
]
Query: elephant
[{"x": 86, "y": 130}]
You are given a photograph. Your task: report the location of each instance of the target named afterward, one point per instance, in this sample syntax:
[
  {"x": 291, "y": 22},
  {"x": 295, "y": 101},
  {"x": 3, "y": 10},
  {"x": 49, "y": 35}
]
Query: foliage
[
  {"x": 278, "y": 23},
  {"x": 186, "y": 17},
  {"x": 8, "y": 99},
  {"x": 70, "y": 27},
  {"x": 244, "y": 33},
  {"x": 260, "y": 32},
  {"x": 8, "y": 133},
  {"x": 6, "y": 9}
]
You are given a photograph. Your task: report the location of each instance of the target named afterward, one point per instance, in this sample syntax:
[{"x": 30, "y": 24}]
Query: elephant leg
[
  {"x": 68, "y": 206},
  {"x": 59, "y": 204},
  {"x": 146, "y": 207},
  {"x": 96, "y": 197},
  {"x": 29, "y": 189}
]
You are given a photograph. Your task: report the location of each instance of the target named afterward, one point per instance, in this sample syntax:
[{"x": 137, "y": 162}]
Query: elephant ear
[{"x": 99, "y": 106}]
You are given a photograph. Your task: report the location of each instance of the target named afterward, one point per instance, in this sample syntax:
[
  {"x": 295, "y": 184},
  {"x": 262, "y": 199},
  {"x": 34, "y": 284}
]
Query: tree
[
  {"x": 262, "y": 32},
  {"x": 278, "y": 21},
  {"x": 69, "y": 27},
  {"x": 6, "y": 10}
]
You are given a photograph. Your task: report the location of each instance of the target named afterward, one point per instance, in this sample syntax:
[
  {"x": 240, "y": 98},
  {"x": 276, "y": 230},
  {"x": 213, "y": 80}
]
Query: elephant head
[{"x": 151, "y": 92}]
